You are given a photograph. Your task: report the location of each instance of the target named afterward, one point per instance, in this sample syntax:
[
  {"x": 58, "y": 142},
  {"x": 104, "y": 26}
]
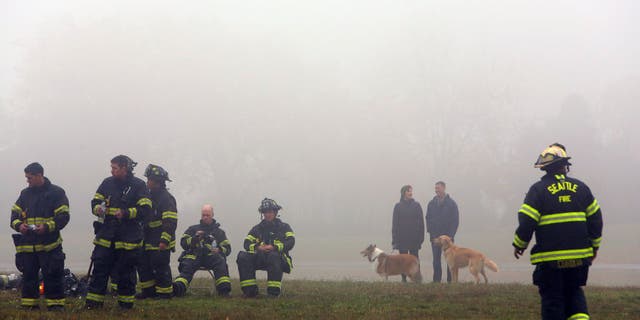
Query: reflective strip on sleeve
[
  {"x": 155, "y": 224},
  {"x": 61, "y": 209},
  {"x": 289, "y": 234},
  {"x": 596, "y": 242},
  {"x": 16, "y": 208},
  {"x": 519, "y": 242},
  {"x": 562, "y": 218},
  {"x": 561, "y": 255},
  {"x": 51, "y": 225},
  {"x": 252, "y": 248},
  {"x": 144, "y": 202},
  {"x": 99, "y": 196},
  {"x": 165, "y": 236},
  {"x": 251, "y": 238},
  {"x": 278, "y": 245},
  {"x": 169, "y": 215},
  {"x": 102, "y": 242},
  {"x": 593, "y": 208},
  {"x": 15, "y": 222},
  {"x": 530, "y": 212},
  {"x": 133, "y": 213}
]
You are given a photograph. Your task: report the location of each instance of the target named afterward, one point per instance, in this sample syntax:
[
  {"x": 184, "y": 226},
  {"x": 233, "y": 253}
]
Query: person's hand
[
  {"x": 163, "y": 246},
  {"x": 100, "y": 211},
  {"x": 119, "y": 214},
  {"x": 41, "y": 229},
  {"x": 24, "y": 228},
  {"x": 266, "y": 248},
  {"x": 517, "y": 252},
  {"x": 215, "y": 250}
]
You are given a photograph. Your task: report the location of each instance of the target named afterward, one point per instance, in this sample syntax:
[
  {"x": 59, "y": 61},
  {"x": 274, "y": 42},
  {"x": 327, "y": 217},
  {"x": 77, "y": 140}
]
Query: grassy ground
[{"x": 348, "y": 300}]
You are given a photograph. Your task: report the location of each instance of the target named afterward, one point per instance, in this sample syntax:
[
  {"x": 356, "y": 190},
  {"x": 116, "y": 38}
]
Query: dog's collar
[{"x": 375, "y": 254}]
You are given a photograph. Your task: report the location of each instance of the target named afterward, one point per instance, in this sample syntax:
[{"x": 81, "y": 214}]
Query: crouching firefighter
[
  {"x": 41, "y": 211},
  {"x": 159, "y": 237},
  {"x": 205, "y": 247},
  {"x": 267, "y": 248},
  {"x": 122, "y": 200},
  {"x": 567, "y": 222}
]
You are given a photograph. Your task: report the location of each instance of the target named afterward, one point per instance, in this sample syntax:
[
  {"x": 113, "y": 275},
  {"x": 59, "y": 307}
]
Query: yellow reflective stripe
[
  {"x": 147, "y": 284},
  {"x": 128, "y": 245},
  {"x": 252, "y": 248},
  {"x": 95, "y": 297},
  {"x": 51, "y": 225},
  {"x": 224, "y": 243},
  {"x": 561, "y": 255},
  {"x": 562, "y": 218},
  {"x": 182, "y": 280},
  {"x": 98, "y": 196},
  {"x": 14, "y": 223},
  {"x": 148, "y": 246},
  {"x": 251, "y": 238},
  {"x": 165, "y": 236},
  {"x": 222, "y": 280},
  {"x": 39, "y": 247},
  {"x": 95, "y": 209},
  {"x": 29, "y": 302},
  {"x": 274, "y": 284},
  {"x": 579, "y": 316},
  {"x": 519, "y": 242},
  {"x": 144, "y": 202},
  {"x": 62, "y": 208},
  {"x": 16, "y": 208},
  {"x": 596, "y": 242},
  {"x": 126, "y": 299},
  {"x": 102, "y": 242},
  {"x": 249, "y": 282},
  {"x": 168, "y": 289},
  {"x": 38, "y": 220},
  {"x": 278, "y": 245},
  {"x": 530, "y": 211},
  {"x": 289, "y": 262},
  {"x": 54, "y": 302},
  {"x": 593, "y": 208},
  {"x": 169, "y": 215},
  {"x": 289, "y": 234},
  {"x": 133, "y": 212},
  {"x": 155, "y": 224},
  {"x": 189, "y": 256}
]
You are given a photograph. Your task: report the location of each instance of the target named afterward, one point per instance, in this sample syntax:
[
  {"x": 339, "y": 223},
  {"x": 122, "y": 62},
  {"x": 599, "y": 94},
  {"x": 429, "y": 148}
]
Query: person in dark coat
[
  {"x": 407, "y": 227},
  {"x": 442, "y": 219}
]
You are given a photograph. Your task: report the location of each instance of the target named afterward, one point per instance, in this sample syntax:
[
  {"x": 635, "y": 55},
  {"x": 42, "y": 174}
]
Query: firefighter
[
  {"x": 267, "y": 248},
  {"x": 122, "y": 201},
  {"x": 205, "y": 247},
  {"x": 567, "y": 222},
  {"x": 159, "y": 237},
  {"x": 42, "y": 210}
]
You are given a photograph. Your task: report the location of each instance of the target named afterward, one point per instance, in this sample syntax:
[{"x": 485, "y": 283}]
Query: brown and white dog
[
  {"x": 394, "y": 264},
  {"x": 458, "y": 257}
]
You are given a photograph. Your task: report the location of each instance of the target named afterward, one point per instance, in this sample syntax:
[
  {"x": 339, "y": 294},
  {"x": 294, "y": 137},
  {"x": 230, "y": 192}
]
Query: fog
[{"x": 328, "y": 107}]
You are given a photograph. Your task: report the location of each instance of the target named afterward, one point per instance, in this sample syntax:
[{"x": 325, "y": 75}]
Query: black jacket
[
  {"x": 48, "y": 205},
  {"x": 442, "y": 218},
  {"x": 565, "y": 217},
  {"x": 200, "y": 247},
  {"x": 132, "y": 197},
  {"x": 160, "y": 225},
  {"x": 407, "y": 227},
  {"x": 276, "y": 233}
]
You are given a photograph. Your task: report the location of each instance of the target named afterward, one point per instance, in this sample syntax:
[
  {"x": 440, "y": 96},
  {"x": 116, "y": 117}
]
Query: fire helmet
[
  {"x": 268, "y": 204},
  {"x": 155, "y": 171},
  {"x": 554, "y": 154}
]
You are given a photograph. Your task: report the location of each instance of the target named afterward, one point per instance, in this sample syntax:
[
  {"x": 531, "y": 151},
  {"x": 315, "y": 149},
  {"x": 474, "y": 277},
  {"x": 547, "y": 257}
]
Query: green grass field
[{"x": 348, "y": 300}]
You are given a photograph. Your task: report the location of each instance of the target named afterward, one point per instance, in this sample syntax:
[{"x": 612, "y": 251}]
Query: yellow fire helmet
[{"x": 553, "y": 154}]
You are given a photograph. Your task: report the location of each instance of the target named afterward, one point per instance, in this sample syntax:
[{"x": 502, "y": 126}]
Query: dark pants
[
  {"x": 271, "y": 262},
  {"x": 189, "y": 264},
  {"x": 123, "y": 264},
  {"x": 52, "y": 265},
  {"x": 413, "y": 252},
  {"x": 437, "y": 263},
  {"x": 560, "y": 291},
  {"x": 155, "y": 273}
]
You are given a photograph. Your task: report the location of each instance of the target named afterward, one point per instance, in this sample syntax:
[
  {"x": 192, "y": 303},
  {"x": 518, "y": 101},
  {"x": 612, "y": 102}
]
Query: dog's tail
[{"x": 490, "y": 264}]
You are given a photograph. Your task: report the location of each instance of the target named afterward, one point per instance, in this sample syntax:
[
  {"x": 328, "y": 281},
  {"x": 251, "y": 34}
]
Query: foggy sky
[{"x": 329, "y": 107}]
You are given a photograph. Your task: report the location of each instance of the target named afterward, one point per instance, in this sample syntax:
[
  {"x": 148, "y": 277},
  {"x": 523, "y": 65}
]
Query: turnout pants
[
  {"x": 560, "y": 291},
  {"x": 155, "y": 273},
  {"x": 248, "y": 263},
  {"x": 123, "y": 264},
  {"x": 413, "y": 252},
  {"x": 191, "y": 263},
  {"x": 437, "y": 263},
  {"x": 52, "y": 265}
]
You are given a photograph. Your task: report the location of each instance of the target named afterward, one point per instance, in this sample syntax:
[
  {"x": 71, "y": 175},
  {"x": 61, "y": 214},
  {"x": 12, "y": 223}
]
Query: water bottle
[{"x": 214, "y": 244}]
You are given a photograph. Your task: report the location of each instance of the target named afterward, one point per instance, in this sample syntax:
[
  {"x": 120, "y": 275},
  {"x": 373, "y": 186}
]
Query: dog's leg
[
  {"x": 484, "y": 275},
  {"x": 454, "y": 274}
]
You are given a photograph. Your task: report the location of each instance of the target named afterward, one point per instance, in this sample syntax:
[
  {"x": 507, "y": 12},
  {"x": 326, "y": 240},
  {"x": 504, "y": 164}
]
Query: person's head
[
  {"x": 156, "y": 177},
  {"x": 441, "y": 188},
  {"x": 269, "y": 209},
  {"x": 207, "y": 214},
  {"x": 34, "y": 173},
  {"x": 554, "y": 159},
  {"x": 122, "y": 166},
  {"x": 406, "y": 192}
]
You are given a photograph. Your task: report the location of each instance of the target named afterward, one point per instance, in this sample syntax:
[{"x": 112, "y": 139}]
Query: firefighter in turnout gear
[
  {"x": 267, "y": 248},
  {"x": 205, "y": 247},
  {"x": 159, "y": 237},
  {"x": 122, "y": 204},
  {"x": 567, "y": 223},
  {"x": 42, "y": 210}
]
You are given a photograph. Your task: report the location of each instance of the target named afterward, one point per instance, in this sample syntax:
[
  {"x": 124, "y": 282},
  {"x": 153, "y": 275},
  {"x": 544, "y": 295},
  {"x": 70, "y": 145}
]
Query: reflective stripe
[
  {"x": 155, "y": 224},
  {"x": 133, "y": 213},
  {"x": 249, "y": 282},
  {"x": 126, "y": 299},
  {"x": 51, "y": 225},
  {"x": 289, "y": 234},
  {"x": 562, "y": 218},
  {"x": 38, "y": 220},
  {"x": 55, "y": 302},
  {"x": 62, "y": 208},
  {"x": 252, "y": 248},
  {"x": 95, "y": 209},
  {"x": 147, "y": 284},
  {"x": 222, "y": 280},
  {"x": 530, "y": 211},
  {"x": 593, "y": 208},
  {"x": 251, "y": 238},
  {"x": 148, "y": 246},
  {"x": 29, "y": 302},
  {"x": 102, "y": 242},
  {"x": 224, "y": 243},
  {"x": 278, "y": 245},
  {"x": 165, "y": 236},
  {"x": 183, "y": 281},
  {"x": 189, "y": 256},
  {"x": 596, "y": 242},
  {"x": 579, "y": 316},
  {"x": 16, "y": 208},
  {"x": 169, "y": 215},
  {"x": 168, "y": 289},
  {"x": 144, "y": 202},
  {"x": 15, "y": 222},
  {"x": 128, "y": 245},
  {"x": 95, "y": 297},
  {"x": 29, "y": 248},
  {"x": 519, "y": 242},
  {"x": 274, "y": 284},
  {"x": 98, "y": 196},
  {"x": 561, "y": 255}
]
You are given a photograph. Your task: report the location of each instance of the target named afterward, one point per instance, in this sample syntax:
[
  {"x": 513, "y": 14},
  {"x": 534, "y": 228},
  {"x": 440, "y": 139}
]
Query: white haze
[{"x": 329, "y": 107}]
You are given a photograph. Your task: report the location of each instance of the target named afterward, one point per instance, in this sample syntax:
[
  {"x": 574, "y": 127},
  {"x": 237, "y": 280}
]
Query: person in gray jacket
[
  {"x": 407, "y": 227},
  {"x": 442, "y": 219}
]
